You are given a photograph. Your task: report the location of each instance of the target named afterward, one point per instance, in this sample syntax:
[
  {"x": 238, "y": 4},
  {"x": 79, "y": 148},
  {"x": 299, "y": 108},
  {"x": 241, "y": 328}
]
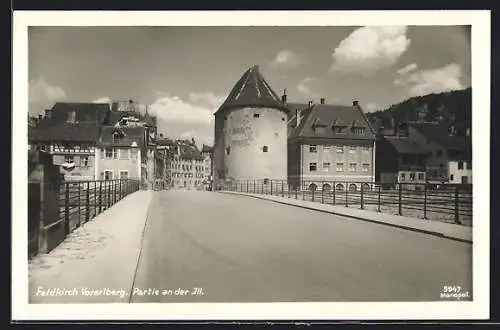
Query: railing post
[
  {"x": 333, "y": 192},
  {"x": 400, "y": 194},
  {"x": 346, "y": 194},
  {"x": 322, "y": 193},
  {"x": 115, "y": 195},
  {"x": 457, "y": 218},
  {"x": 87, "y": 202},
  {"x": 100, "y": 196},
  {"x": 79, "y": 205},
  {"x": 362, "y": 204},
  {"x": 108, "y": 193},
  {"x": 66, "y": 209},
  {"x": 425, "y": 200},
  {"x": 95, "y": 198},
  {"x": 254, "y": 191},
  {"x": 282, "y": 189},
  {"x": 271, "y": 187},
  {"x": 313, "y": 191},
  {"x": 120, "y": 189},
  {"x": 378, "y": 201},
  {"x": 247, "y": 186}
]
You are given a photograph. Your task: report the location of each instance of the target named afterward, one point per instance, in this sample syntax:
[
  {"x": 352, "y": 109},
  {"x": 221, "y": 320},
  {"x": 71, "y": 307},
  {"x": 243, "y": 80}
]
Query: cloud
[
  {"x": 369, "y": 49},
  {"x": 41, "y": 91},
  {"x": 286, "y": 59},
  {"x": 428, "y": 81},
  {"x": 104, "y": 99},
  {"x": 308, "y": 86},
  {"x": 186, "y": 118},
  {"x": 407, "y": 69},
  {"x": 370, "y": 107}
]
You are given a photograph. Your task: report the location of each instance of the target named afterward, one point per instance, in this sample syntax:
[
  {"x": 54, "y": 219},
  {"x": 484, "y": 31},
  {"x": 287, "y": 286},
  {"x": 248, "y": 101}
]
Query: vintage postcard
[{"x": 251, "y": 165}]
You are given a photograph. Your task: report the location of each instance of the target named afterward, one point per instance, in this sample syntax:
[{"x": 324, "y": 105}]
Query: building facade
[
  {"x": 207, "y": 153},
  {"x": 329, "y": 146},
  {"x": 69, "y": 132},
  {"x": 250, "y": 132},
  {"x": 187, "y": 166}
]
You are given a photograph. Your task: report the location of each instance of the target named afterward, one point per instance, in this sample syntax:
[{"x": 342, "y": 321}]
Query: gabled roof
[
  {"x": 405, "y": 146},
  {"x": 439, "y": 134},
  {"x": 252, "y": 90},
  {"x": 84, "y": 112},
  {"x": 332, "y": 115},
  {"x": 130, "y": 135},
  {"x": 188, "y": 150}
]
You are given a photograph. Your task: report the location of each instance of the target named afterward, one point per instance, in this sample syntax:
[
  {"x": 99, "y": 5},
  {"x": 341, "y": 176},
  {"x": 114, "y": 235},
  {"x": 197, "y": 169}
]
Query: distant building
[
  {"x": 400, "y": 160},
  {"x": 69, "y": 132},
  {"x": 165, "y": 148},
  {"x": 332, "y": 145},
  {"x": 450, "y": 151},
  {"x": 207, "y": 153},
  {"x": 187, "y": 168},
  {"x": 251, "y": 132}
]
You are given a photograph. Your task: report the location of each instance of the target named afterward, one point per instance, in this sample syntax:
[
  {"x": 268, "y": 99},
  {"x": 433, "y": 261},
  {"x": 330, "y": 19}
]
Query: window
[
  {"x": 108, "y": 175},
  {"x": 109, "y": 153},
  {"x": 340, "y": 167},
  {"x": 403, "y": 176},
  {"x": 123, "y": 175},
  {"x": 228, "y": 150},
  {"x": 464, "y": 180},
  {"x": 124, "y": 154},
  {"x": 313, "y": 148},
  {"x": 340, "y": 149},
  {"x": 84, "y": 161},
  {"x": 256, "y": 115},
  {"x": 326, "y": 166},
  {"x": 117, "y": 138},
  {"x": 421, "y": 177},
  {"x": 71, "y": 117},
  {"x": 326, "y": 148},
  {"x": 358, "y": 130},
  {"x": 469, "y": 165},
  {"x": 452, "y": 177},
  {"x": 365, "y": 149},
  {"x": 352, "y": 149},
  {"x": 339, "y": 129},
  {"x": 264, "y": 149},
  {"x": 68, "y": 159},
  {"x": 133, "y": 153},
  {"x": 460, "y": 165},
  {"x": 283, "y": 118},
  {"x": 412, "y": 176},
  {"x": 366, "y": 167},
  {"x": 313, "y": 167},
  {"x": 352, "y": 167},
  {"x": 102, "y": 153},
  {"x": 339, "y": 186},
  {"x": 353, "y": 187}
]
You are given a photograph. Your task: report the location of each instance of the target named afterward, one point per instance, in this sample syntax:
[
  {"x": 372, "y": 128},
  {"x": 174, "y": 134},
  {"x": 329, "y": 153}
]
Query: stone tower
[{"x": 251, "y": 132}]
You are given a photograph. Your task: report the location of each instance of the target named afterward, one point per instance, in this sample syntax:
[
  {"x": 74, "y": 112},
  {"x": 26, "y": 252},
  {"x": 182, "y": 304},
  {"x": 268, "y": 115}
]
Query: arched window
[
  {"x": 339, "y": 186},
  {"x": 353, "y": 187},
  {"x": 366, "y": 187},
  {"x": 327, "y": 187},
  {"x": 313, "y": 187}
]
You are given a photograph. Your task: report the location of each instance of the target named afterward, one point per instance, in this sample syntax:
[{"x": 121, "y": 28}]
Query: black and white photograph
[{"x": 327, "y": 165}]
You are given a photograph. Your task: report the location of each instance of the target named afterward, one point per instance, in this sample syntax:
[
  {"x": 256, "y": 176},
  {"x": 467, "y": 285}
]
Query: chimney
[
  {"x": 298, "y": 118},
  {"x": 310, "y": 103},
  {"x": 322, "y": 100},
  {"x": 47, "y": 113},
  {"x": 283, "y": 97},
  {"x": 355, "y": 103}
]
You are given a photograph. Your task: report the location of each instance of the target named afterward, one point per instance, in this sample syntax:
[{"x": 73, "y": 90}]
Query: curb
[
  {"x": 146, "y": 221},
  {"x": 423, "y": 231}
]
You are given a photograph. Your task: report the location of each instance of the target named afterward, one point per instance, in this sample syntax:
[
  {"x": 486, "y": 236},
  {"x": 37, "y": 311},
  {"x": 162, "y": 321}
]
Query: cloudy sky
[{"x": 184, "y": 73}]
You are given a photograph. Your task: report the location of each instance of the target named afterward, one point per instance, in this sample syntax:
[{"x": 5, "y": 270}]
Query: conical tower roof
[{"x": 252, "y": 90}]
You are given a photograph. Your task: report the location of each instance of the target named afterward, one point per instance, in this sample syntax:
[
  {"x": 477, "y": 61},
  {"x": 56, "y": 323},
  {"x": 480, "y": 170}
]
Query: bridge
[{"x": 201, "y": 246}]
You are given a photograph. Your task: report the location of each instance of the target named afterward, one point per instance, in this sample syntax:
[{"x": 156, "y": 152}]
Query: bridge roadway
[{"x": 239, "y": 249}]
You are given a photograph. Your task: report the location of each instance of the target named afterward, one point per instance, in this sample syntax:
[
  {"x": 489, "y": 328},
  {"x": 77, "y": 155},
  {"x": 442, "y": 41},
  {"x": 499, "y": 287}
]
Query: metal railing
[
  {"x": 80, "y": 201},
  {"x": 449, "y": 202}
]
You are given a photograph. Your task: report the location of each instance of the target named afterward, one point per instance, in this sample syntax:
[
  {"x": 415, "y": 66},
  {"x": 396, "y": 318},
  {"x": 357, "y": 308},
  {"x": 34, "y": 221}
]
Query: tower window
[
  {"x": 264, "y": 148},
  {"x": 283, "y": 118},
  {"x": 228, "y": 150},
  {"x": 256, "y": 115}
]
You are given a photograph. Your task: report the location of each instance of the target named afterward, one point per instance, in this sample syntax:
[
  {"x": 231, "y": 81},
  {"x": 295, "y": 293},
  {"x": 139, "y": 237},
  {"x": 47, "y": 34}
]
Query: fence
[
  {"x": 450, "y": 203},
  {"x": 73, "y": 203}
]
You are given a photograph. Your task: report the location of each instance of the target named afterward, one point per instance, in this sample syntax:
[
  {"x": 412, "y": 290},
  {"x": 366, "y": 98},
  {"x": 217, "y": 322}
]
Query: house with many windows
[
  {"x": 329, "y": 146},
  {"x": 207, "y": 153},
  {"x": 450, "y": 151},
  {"x": 69, "y": 132},
  {"x": 187, "y": 167}
]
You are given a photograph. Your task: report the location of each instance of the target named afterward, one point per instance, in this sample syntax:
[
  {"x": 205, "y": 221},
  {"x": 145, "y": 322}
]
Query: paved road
[{"x": 241, "y": 249}]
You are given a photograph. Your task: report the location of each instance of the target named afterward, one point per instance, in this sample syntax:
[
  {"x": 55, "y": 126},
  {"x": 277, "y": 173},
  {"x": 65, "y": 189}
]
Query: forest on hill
[{"x": 453, "y": 108}]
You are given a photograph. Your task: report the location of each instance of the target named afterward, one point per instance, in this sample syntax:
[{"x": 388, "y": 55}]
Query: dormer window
[
  {"x": 339, "y": 129},
  {"x": 71, "y": 117},
  {"x": 358, "y": 130},
  {"x": 117, "y": 137}
]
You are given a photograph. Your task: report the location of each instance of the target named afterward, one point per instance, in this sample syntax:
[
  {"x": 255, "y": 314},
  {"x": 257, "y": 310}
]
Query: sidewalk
[
  {"x": 432, "y": 227},
  {"x": 97, "y": 262}
]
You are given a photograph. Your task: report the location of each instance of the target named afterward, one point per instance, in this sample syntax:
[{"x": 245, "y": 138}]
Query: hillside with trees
[{"x": 453, "y": 108}]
